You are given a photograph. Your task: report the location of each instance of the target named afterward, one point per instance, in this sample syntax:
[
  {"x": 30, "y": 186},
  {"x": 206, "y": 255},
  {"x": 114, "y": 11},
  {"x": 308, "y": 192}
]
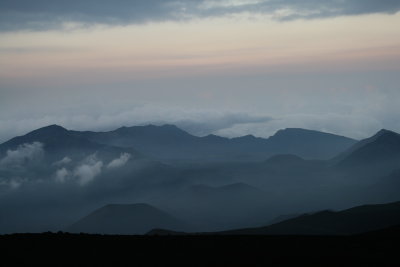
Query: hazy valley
[{"x": 52, "y": 179}]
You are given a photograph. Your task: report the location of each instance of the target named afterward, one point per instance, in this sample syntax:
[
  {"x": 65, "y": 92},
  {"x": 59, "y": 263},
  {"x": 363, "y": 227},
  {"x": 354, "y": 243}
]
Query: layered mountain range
[
  {"x": 168, "y": 142},
  {"x": 54, "y": 178}
]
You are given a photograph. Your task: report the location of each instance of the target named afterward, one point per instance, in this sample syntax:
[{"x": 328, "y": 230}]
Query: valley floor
[{"x": 376, "y": 249}]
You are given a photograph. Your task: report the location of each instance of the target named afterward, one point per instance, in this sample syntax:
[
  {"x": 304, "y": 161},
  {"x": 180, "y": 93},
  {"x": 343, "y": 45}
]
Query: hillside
[
  {"x": 375, "y": 156},
  {"x": 356, "y": 220}
]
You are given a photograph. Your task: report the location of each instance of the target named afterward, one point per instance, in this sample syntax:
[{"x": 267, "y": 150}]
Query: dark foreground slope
[
  {"x": 93, "y": 250},
  {"x": 356, "y": 220}
]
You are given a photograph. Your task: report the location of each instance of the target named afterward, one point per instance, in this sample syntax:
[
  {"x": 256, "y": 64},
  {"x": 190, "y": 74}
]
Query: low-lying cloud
[
  {"x": 82, "y": 174},
  {"x": 196, "y": 121},
  {"x": 24, "y": 154},
  {"x": 64, "y": 161},
  {"x": 119, "y": 162},
  {"x": 62, "y": 175},
  {"x": 45, "y": 14},
  {"x": 356, "y": 113},
  {"x": 13, "y": 182},
  {"x": 87, "y": 171},
  {"x": 210, "y": 123}
]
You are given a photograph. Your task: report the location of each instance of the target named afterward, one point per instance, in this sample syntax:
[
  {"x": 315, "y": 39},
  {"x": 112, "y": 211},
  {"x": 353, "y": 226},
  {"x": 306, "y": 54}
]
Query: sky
[{"x": 228, "y": 67}]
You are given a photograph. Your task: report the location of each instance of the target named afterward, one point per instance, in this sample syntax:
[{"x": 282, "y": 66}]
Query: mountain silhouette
[
  {"x": 356, "y": 220},
  {"x": 312, "y": 144},
  {"x": 375, "y": 156},
  {"x": 359, "y": 145},
  {"x": 365, "y": 219},
  {"x": 168, "y": 142},
  {"x": 125, "y": 219},
  {"x": 54, "y": 137},
  {"x": 59, "y": 142}
]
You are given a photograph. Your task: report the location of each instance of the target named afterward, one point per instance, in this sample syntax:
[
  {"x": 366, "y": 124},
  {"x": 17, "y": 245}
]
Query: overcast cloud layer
[
  {"x": 47, "y": 14},
  {"x": 353, "y": 113}
]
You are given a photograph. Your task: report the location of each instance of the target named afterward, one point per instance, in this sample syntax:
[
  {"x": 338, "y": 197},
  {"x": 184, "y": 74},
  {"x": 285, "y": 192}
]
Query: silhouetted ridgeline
[
  {"x": 356, "y": 220},
  {"x": 171, "y": 143}
]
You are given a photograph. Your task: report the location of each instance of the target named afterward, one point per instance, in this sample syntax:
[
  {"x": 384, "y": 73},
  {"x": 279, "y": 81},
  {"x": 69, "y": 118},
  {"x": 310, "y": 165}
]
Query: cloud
[
  {"x": 309, "y": 9},
  {"x": 62, "y": 175},
  {"x": 119, "y": 162},
  {"x": 25, "y": 153},
  {"x": 209, "y": 123},
  {"x": 64, "y": 161},
  {"x": 45, "y": 14},
  {"x": 195, "y": 121},
  {"x": 87, "y": 171},
  {"x": 331, "y": 123},
  {"x": 13, "y": 183},
  {"x": 337, "y": 105}
]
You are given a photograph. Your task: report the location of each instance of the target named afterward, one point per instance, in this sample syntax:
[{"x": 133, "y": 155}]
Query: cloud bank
[
  {"x": 47, "y": 14},
  {"x": 86, "y": 172},
  {"x": 197, "y": 121},
  {"x": 11, "y": 183},
  {"x": 119, "y": 162},
  {"x": 24, "y": 154},
  {"x": 63, "y": 161},
  {"x": 62, "y": 175}
]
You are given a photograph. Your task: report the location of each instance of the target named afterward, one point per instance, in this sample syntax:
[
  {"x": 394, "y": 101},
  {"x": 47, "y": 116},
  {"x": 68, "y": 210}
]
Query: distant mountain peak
[
  {"x": 248, "y": 136},
  {"x": 170, "y": 127},
  {"x": 381, "y": 134},
  {"x": 381, "y": 150},
  {"x": 385, "y": 132},
  {"x": 387, "y": 137},
  {"x": 49, "y": 131},
  {"x": 52, "y": 128},
  {"x": 297, "y": 131}
]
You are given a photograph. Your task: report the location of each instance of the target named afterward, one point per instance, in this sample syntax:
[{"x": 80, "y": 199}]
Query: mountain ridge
[
  {"x": 168, "y": 142},
  {"x": 375, "y": 156},
  {"x": 359, "y": 219}
]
